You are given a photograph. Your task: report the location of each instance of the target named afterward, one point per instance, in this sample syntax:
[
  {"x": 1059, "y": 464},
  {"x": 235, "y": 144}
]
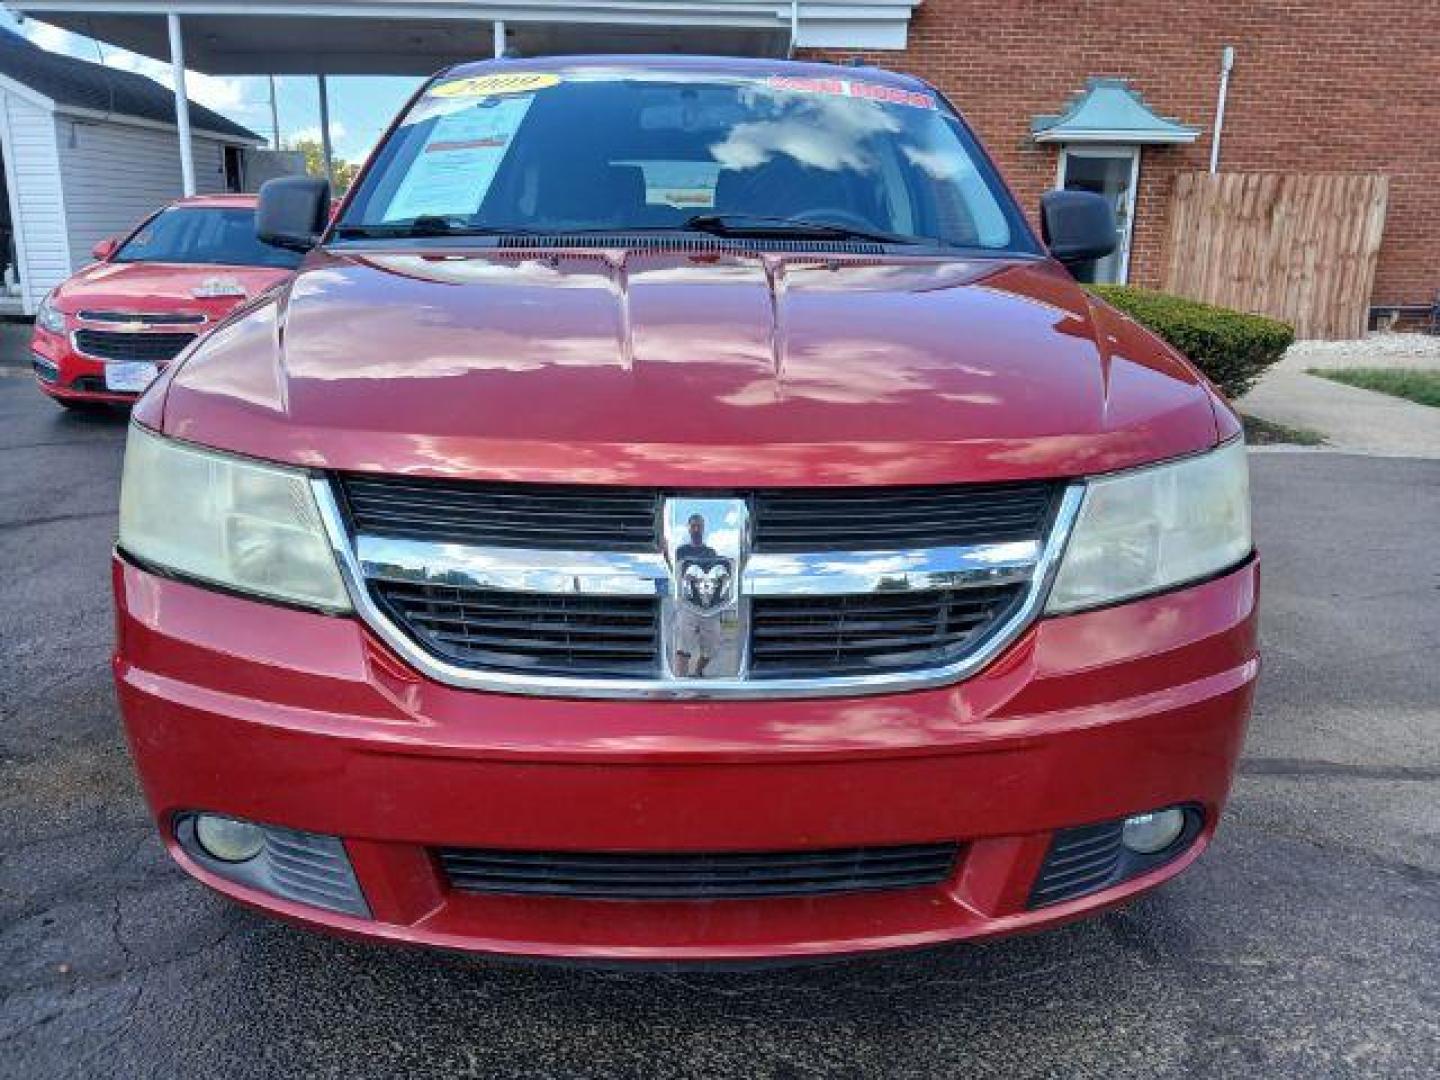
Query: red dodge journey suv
[
  {"x": 102, "y": 336},
  {"x": 680, "y": 511}
]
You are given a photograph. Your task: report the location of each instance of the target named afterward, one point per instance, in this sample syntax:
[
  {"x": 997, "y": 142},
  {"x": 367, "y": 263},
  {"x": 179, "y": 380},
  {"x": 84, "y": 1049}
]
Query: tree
[{"x": 314, "y": 152}]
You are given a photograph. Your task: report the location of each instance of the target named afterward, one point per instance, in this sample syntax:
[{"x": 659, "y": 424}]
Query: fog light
[
  {"x": 1149, "y": 833},
  {"x": 229, "y": 840}
]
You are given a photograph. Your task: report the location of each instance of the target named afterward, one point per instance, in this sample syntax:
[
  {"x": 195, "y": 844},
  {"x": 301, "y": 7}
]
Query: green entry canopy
[{"x": 1109, "y": 111}]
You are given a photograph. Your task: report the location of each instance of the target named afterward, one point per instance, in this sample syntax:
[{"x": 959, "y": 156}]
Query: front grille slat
[
  {"x": 550, "y": 517},
  {"x": 1080, "y": 861},
  {"x": 696, "y": 876},
  {"x": 523, "y": 632},
  {"x": 815, "y": 520},
  {"x": 131, "y": 347},
  {"x": 468, "y": 640},
  {"x": 497, "y": 627},
  {"x": 313, "y": 870},
  {"x": 687, "y": 861},
  {"x": 582, "y": 877},
  {"x": 812, "y": 636},
  {"x": 143, "y": 318}
]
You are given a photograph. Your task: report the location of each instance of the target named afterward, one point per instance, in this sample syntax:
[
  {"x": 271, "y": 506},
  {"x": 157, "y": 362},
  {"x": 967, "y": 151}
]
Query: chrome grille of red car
[
  {"x": 155, "y": 347},
  {"x": 696, "y": 875},
  {"x": 574, "y": 590}
]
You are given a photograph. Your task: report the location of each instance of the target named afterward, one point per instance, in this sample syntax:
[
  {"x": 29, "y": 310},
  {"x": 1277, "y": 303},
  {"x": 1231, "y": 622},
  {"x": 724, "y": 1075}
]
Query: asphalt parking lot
[{"x": 1307, "y": 942}]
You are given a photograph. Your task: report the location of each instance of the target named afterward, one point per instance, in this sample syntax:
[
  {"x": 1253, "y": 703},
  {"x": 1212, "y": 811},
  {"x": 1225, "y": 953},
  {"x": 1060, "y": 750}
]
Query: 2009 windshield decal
[{"x": 889, "y": 95}]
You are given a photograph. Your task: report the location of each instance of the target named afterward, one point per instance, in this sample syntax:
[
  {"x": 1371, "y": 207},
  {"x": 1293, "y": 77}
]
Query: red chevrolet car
[
  {"x": 680, "y": 511},
  {"x": 102, "y": 336}
]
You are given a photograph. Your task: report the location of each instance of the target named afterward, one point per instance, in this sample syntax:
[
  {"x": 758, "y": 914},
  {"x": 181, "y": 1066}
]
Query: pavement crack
[
  {"x": 1308, "y": 767},
  {"x": 55, "y": 519}
]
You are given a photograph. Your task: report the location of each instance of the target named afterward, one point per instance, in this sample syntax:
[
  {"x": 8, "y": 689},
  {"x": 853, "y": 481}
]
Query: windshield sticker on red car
[
  {"x": 518, "y": 82},
  {"x": 453, "y": 171},
  {"x": 852, "y": 88}
]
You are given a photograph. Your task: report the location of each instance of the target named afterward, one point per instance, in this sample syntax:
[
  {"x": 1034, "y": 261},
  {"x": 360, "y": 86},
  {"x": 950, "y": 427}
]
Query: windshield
[
  {"x": 621, "y": 150},
  {"x": 206, "y": 235}
]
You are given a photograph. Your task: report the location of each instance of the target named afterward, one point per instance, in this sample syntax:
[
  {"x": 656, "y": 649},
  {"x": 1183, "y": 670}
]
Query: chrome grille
[
  {"x": 530, "y": 632},
  {"x": 129, "y": 346},
  {"x": 605, "y": 592},
  {"x": 809, "y": 636},
  {"x": 905, "y": 517},
  {"x": 696, "y": 875}
]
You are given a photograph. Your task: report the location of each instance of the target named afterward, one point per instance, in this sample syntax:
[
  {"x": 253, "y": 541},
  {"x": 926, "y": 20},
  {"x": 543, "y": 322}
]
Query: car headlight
[
  {"x": 226, "y": 520},
  {"x": 1155, "y": 528},
  {"x": 48, "y": 318}
]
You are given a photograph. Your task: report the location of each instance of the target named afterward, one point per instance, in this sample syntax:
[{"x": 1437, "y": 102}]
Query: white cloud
[
  {"x": 53, "y": 39},
  {"x": 209, "y": 90},
  {"x": 312, "y": 134}
]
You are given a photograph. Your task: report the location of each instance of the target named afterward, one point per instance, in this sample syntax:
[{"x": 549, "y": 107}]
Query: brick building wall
[{"x": 1339, "y": 86}]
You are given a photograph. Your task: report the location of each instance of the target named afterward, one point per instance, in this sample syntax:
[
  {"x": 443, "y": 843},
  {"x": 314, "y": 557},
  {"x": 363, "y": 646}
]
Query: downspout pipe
[
  {"x": 794, "y": 27},
  {"x": 1227, "y": 61}
]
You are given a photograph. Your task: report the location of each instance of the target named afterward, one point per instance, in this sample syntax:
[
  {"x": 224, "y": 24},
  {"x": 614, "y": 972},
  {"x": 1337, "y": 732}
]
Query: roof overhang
[
  {"x": 96, "y": 116},
  {"x": 1117, "y": 135},
  {"x": 1110, "y": 111},
  {"x": 417, "y": 37}
]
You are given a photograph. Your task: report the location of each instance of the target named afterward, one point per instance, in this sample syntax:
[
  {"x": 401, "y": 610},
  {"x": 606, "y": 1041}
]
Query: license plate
[{"x": 129, "y": 378}]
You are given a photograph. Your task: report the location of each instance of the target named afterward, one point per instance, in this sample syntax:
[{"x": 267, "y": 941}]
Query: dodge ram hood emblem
[
  {"x": 706, "y": 583},
  {"x": 705, "y": 614}
]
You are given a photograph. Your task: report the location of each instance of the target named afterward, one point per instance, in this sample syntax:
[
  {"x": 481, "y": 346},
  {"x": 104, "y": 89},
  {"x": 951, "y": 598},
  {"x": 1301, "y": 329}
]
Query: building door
[
  {"x": 1114, "y": 172},
  {"x": 234, "y": 169}
]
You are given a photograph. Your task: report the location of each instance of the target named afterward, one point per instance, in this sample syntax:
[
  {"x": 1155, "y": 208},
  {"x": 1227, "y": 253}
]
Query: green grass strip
[{"x": 1412, "y": 384}]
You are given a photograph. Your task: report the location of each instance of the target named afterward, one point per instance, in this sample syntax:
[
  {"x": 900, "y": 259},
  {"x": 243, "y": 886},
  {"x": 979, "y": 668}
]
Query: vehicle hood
[
  {"x": 674, "y": 369},
  {"x": 162, "y": 287}
]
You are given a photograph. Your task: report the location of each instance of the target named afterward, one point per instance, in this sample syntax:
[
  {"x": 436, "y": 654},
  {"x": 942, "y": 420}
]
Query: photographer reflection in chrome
[{"x": 704, "y": 629}]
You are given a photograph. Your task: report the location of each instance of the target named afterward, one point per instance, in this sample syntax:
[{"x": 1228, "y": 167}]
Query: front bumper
[
  {"x": 308, "y": 722},
  {"x": 67, "y": 375}
]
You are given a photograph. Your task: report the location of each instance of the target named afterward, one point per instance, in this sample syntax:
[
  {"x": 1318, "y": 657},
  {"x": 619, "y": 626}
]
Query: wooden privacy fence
[{"x": 1297, "y": 248}]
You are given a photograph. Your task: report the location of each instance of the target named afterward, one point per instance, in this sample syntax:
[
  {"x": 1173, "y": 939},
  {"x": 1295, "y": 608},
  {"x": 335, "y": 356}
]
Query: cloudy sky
[{"x": 360, "y": 108}]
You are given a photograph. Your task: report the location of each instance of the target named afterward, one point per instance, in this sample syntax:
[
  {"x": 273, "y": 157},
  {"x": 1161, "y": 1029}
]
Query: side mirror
[
  {"x": 293, "y": 212},
  {"x": 1077, "y": 226},
  {"x": 105, "y": 248}
]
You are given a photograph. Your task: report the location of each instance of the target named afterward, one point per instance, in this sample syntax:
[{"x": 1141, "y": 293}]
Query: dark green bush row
[{"x": 1233, "y": 349}]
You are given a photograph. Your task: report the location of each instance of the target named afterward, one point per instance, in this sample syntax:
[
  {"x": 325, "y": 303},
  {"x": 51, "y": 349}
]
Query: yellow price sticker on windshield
[{"x": 517, "y": 82}]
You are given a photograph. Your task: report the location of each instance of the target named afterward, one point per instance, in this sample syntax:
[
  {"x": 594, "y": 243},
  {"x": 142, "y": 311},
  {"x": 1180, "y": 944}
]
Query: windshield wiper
[
  {"x": 425, "y": 225},
  {"x": 762, "y": 225}
]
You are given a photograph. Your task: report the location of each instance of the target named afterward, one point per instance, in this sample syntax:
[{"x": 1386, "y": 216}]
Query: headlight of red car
[
  {"x": 47, "y": 317},
  {"x": 1152, "y": 529},
  {"x": 226, "y": 520}
]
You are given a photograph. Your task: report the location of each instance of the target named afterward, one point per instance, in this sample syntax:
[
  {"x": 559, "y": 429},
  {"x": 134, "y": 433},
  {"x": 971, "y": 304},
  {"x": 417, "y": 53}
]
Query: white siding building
[{"x": 88, "y": 151}]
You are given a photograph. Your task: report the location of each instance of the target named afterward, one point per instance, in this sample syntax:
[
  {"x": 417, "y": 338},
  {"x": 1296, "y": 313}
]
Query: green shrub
[{"x": 1232, "y": 348}]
